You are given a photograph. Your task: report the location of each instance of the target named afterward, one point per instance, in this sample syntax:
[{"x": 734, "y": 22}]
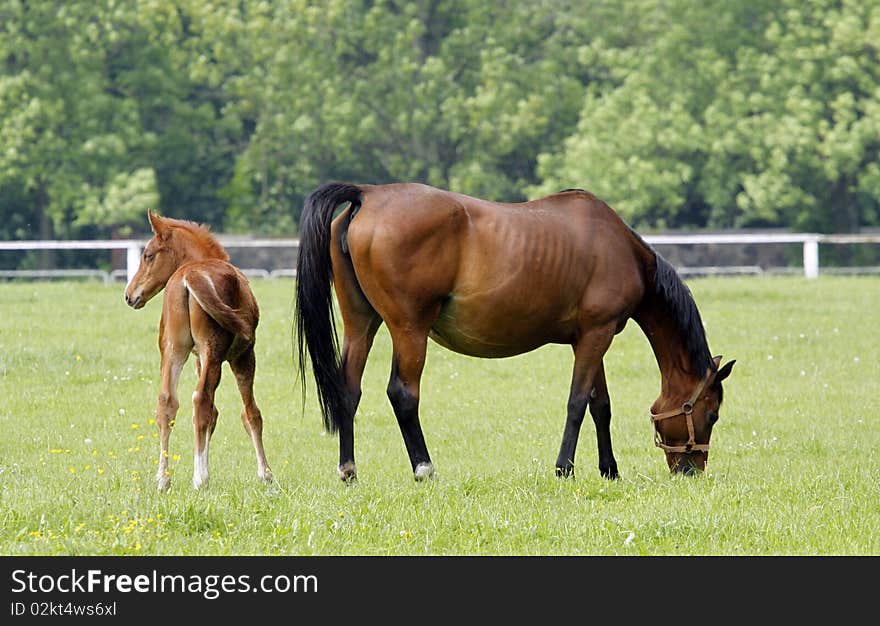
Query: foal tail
[
  {"x": 313, "y": 318},
  {"x": 237, "y": 321}
]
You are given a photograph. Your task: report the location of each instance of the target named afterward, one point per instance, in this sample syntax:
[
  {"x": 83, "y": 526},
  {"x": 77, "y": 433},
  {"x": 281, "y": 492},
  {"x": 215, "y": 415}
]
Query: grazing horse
[
  {"x": 490, "y": 279},
  {"x": 207, "y": 309}
]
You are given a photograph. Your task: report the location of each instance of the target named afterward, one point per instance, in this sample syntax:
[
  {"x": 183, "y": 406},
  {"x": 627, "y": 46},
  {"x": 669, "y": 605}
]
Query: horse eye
[
  {"x": 148, "y": 257},
  {"x": 712, "y": 417}
]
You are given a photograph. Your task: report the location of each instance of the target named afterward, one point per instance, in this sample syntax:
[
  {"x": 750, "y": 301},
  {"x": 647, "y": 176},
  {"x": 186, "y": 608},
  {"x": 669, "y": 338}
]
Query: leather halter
[{"x": 687, "y": 410}]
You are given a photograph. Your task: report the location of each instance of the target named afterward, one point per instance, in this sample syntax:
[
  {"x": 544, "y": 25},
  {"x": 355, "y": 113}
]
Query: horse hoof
[
  {"x": 266, "y": 476},
  {"x": 564, "y": 472},
  {"x": 163, "y": 484},
  {"x": 423, "y": 471},
  {"x": 347, "y": 472},
  {"x": 609, "y": 472},
  {"x": 199, "y": 484}
]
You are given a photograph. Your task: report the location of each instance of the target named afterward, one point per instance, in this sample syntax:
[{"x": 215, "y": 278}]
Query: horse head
[
  {"x": 159, "y": 261},
  {"x": 684, "y": 432}
]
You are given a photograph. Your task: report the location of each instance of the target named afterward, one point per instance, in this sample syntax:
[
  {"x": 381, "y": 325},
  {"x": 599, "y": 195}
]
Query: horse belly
[{"x": 488, "y": 328}]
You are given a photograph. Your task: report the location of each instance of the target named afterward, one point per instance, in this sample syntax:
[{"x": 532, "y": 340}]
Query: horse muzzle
[
  {"x": 135, "y": 301},
  {"x": 687, "y": 464}
]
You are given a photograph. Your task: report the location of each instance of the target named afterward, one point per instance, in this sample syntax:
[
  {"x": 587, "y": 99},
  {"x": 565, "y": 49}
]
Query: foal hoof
[
  {"x": 347, "y": 472},
  {"x": 163, "y": 483},
  {"x": 423, "y": 471},
  {"x": 266, "y": 476}
]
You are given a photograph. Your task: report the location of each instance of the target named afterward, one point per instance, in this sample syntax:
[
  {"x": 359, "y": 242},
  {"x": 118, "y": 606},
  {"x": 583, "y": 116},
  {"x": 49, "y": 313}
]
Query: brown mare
[
  {"x": 490, "y": 279},
  {"x": 207, "y": 309}
]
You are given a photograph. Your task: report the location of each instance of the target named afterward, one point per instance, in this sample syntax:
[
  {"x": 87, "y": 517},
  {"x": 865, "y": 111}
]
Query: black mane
[{"x": 679, "y": 302}]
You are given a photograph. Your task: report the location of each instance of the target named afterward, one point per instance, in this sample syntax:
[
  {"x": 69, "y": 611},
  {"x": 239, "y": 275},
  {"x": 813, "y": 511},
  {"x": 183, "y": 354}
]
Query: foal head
[
  {"x": 174, "y": 243},
  {"x": 684, "y": 433}
]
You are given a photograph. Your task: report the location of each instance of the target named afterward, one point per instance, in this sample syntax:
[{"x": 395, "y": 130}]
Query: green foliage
[
  {"x": 68, "y": 131},
  {"x": 99, "y": 115},
  {"x": 439, "y": 92},
  {"x": 760, "y": 113},
  {"x": 804, "y": 141},
  {"x": 765, "y": 115},
  {"x": 125, "y": 199}
]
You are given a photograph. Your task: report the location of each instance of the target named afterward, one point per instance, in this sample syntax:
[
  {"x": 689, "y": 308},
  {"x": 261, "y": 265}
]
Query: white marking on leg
[
  {"x": 200, "y": 464},
  {"x": 163, "y": 476},
  {"x": 263, "y": 470},
  {"x": 424, "y": 471}
]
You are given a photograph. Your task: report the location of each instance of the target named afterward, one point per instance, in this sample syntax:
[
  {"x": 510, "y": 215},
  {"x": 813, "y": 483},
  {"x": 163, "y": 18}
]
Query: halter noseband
[{"x": 687, "y": 410}]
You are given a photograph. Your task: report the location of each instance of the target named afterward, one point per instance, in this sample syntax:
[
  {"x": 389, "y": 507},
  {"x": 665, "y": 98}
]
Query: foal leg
[
  {"x": 407, "y": 364},
  {"x": 243, "y": 368},
  {"x": 173, "y": 359},
  {"x": 588, "y": 354},
  {"x": 600, "y": 410},
  {"x": 204, "y": 416}
]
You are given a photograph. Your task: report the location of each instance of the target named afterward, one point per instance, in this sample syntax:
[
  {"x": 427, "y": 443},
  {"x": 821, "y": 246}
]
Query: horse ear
[
  {"x": 156, "y": 223},
  {"x": 724, "y": 372}
]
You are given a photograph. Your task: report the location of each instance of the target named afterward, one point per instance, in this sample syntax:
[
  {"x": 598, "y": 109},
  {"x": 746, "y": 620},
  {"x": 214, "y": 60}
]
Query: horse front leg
[
  {"x": 600, "y": 410},
  {"x": 588, "y": 353}
]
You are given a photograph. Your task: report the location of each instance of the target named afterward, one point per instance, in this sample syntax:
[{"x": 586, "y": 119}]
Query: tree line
[{"x": 678, "y": 113}]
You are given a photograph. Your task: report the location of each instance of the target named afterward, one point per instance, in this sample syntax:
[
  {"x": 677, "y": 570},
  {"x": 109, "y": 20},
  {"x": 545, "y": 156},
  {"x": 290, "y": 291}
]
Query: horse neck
[
  {"x": 677, "y": 378},
  {"x": 191, "y": 250}
]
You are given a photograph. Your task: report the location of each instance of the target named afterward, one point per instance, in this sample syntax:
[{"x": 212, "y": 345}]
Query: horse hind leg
[
  {"x": 360, "y": 322},
  {"x": 360, "y": 330},
  {"x": 243, "y": 368},
  {"x": 403, "y": 392},
  {"x": 204, "y": 417}
]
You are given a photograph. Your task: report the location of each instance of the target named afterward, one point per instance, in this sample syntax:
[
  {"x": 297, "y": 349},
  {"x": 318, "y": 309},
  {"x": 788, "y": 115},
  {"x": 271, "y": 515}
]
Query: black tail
[{"x": 313, "y": 317}]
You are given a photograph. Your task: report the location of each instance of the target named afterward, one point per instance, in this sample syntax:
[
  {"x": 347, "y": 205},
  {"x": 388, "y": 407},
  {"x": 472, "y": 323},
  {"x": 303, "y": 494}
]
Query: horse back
[{"x": 544, "y": 267}]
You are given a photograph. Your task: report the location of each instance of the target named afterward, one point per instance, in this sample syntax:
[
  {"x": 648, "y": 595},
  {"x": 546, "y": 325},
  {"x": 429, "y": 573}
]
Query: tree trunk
[
  {"x": 118, "y": 256},
  {"x": 46, "y": 228},
  {"x": 844, "y": 218},
  {"x": 844, "y": 215}
]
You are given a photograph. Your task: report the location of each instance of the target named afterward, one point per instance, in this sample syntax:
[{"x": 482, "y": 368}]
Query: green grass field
[{"x": 794, "y": 467}]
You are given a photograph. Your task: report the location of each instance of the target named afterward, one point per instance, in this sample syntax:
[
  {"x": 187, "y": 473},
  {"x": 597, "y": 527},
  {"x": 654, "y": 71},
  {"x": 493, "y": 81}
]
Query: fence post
[
  {"x": 811, "y": 257},
  {"x": 132, "y": 261}
]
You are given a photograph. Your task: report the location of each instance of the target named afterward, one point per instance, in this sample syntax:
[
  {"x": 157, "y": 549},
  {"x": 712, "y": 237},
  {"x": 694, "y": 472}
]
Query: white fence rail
[{"x": 133, "y": 248}]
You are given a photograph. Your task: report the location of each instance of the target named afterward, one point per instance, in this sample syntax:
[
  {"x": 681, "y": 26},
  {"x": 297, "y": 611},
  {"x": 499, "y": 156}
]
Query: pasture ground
[{"x": 794, "y": 467}]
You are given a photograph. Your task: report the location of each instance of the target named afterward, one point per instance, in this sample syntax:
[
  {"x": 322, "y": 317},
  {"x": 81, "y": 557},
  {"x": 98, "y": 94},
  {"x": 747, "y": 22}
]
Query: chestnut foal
[{"x": 207, "y": 309}]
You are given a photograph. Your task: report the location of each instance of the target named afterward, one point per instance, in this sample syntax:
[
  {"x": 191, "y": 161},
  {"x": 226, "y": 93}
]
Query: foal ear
[
  {"x": 156, "y": 223},
  {"x": 724, "y": 372}
]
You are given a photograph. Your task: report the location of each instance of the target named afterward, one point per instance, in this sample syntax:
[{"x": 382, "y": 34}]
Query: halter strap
[{"x": 687, "y": 410}]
